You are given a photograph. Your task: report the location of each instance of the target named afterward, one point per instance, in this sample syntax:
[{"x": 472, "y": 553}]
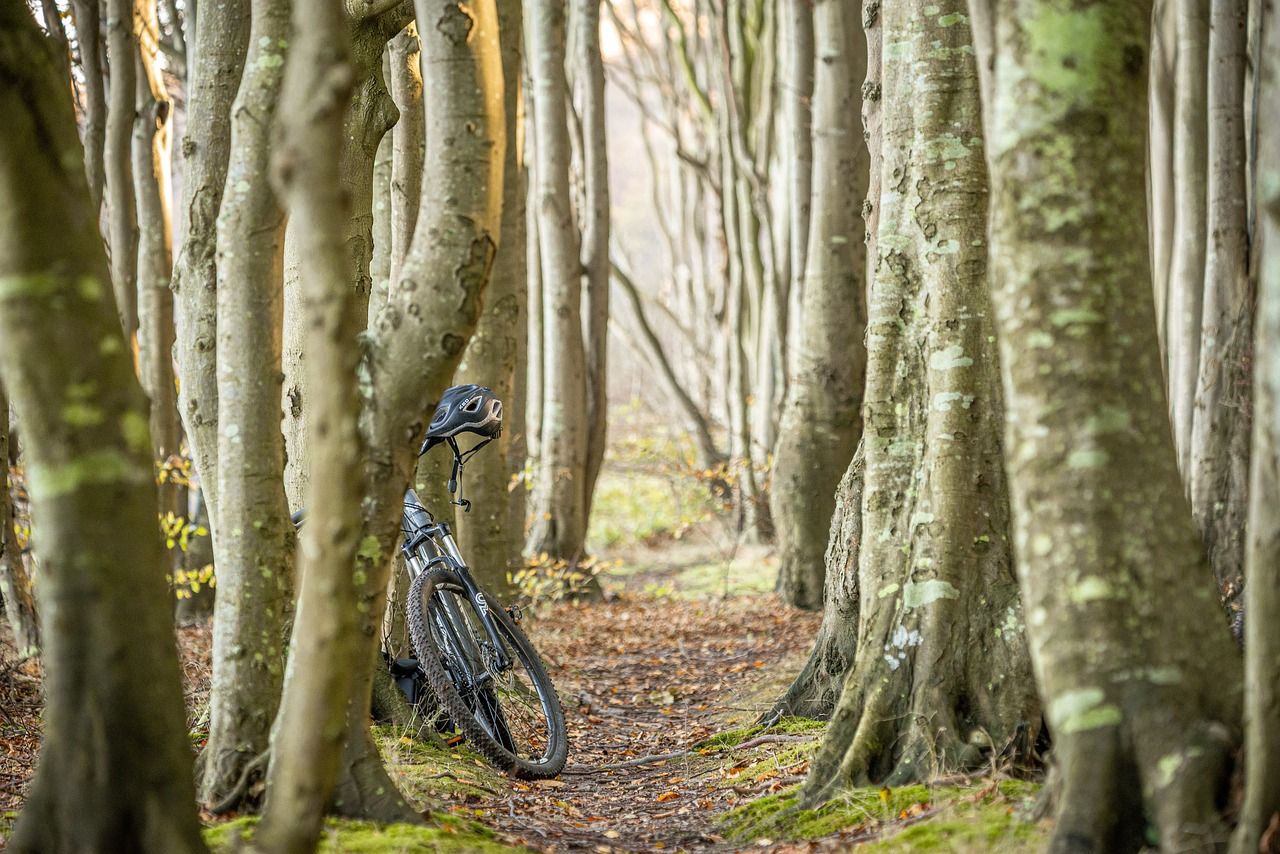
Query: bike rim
[{"x": 509, "y": 705}]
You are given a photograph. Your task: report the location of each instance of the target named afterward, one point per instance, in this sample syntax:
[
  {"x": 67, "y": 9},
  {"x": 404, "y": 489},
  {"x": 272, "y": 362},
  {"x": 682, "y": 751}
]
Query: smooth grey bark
[
  {"x": 594, "y": 221},
  {"x": 1220, "y": 430},
  {"x": 408, "y": 144},
  {"x": 114, "y": 770},
  {"x": 307, "y": 738},
  {"x": 491, "y": 534},
  {"x": 798, "y": 83},
  {"x": 254, "y": 536},
  {"x": 220, "y": 42},
  {"x": 122, "y": 234},
  {"x": 1161, "y": 179},
  {"x": 380, "y": 263},
  {"x": 151, "y": 186},
  {"x": 1134, "y": 661},
  {"x": 421, "y": 333},
  {"x": 88, "y": 18},
  {"x": 1262, "y": 550},
  {"x": 821, "y": 420},
  {"x": 1190, "y": 167},
  {"x": 558, "y": 506},
  {"x": 941, "y": 652}
]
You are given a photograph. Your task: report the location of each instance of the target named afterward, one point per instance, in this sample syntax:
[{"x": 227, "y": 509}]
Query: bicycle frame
[{"x": 422, "y": 531}]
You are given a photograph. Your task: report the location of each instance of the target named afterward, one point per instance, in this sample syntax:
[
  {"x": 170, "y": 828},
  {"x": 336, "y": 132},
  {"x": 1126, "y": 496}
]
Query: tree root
[{"x": 242, "y": 785}]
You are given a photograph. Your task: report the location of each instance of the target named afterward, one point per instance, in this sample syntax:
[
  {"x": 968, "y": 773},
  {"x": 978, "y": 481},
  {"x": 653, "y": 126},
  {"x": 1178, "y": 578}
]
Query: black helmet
[{"x": 465, "y": 409}]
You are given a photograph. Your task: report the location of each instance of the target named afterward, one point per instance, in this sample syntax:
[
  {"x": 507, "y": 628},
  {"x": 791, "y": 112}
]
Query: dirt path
[{"x": 648, "y": 677}]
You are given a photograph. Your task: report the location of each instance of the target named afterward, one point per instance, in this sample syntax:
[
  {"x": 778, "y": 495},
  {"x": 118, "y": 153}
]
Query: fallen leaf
[{"x": 667, "y": 796}]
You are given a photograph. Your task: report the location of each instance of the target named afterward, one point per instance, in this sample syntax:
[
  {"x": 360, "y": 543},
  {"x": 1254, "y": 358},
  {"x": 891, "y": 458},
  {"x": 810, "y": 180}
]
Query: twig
[
  {"x": 460, "y": 781},
  {"x": 770, "y": 739},
  {"x": 630, "y": 763}
]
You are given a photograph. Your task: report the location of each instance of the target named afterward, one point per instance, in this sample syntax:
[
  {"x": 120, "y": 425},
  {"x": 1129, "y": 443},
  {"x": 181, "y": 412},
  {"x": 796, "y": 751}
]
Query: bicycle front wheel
[{"x": 512, "y": 716}]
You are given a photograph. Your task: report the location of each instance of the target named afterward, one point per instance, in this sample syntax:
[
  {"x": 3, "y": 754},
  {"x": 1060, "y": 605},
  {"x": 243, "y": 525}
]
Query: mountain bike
[{"x": 485, "y": 678}]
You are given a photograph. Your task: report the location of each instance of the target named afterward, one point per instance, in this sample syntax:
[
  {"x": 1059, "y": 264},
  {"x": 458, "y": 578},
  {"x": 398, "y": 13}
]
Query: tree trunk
[
  {"x": 221, "y": 40},
  {"x": 114, "y": 771},
  {"x": 821, "y": 421},
  {"x": 798, "y": 82},
  {"x": 420, "y": 334},
  {"x": 380, "y": 263},
  {"x": 88, "y": 18},
  {"x": 1219, "y": 473},
  {"x": 490, "y": 541},
  {"x": 815, "y": 691},
  {"x": 1190, "y": 167},
  {"x": 1161, "y": 178},
  {"x": 307, "y": 738},
  {"x": 155, "y": 259},
  {"x": 15, "y": 583},
  {"x": 408, "y": 144},
  {"x": 1262, "y": 552},
  {"x": 1135, "y": 664},
  {"x": 594, "y": 219},
  {"x": 558, "y": 510},
  {"x": 197, "y": 606},
  {"x": 254, "y": 542},
  {"x": 941, "y": 670},
  {"x": 122, "y": 233},
  {"x": 370, "y": 114}
]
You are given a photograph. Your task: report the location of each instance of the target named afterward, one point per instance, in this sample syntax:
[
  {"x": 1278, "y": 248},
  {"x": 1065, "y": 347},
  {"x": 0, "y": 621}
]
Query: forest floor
[
  {"x": 668, "y": 666},
  {"x": 661, "y": 683}
]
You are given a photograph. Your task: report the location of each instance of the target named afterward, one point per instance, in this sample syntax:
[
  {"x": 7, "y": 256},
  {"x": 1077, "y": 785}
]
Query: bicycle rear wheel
[{"x": 512, "y": 717}]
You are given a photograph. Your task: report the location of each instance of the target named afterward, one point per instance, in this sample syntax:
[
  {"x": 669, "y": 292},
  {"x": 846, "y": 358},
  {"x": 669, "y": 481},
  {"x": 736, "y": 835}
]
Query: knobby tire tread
[{"x": 455, "y": 706}]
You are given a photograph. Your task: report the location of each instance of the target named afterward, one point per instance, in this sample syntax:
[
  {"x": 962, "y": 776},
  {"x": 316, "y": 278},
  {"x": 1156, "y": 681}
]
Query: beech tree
[
  {"x": 253, "y": 536},
  {"x": 935, "y": 562},
  {"x": 1135, "y": 665},
  {"x": 306, "y": 743},
  {"x": 491, "y": 533},
  {"x": 1262, "y": 548},
  {"x": 114, "y": 770},
  {"x": 821, "y": 420}
]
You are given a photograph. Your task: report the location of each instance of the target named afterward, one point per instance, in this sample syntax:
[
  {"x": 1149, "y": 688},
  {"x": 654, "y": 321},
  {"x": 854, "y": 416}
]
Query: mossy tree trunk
[
  {"x": 1133, "y": 657},
  {"x": 370, "y": 114},
  {"x": 307, "y": 739},
  {"x": 1220, "y": 430},
  {"x": 821, "y": 421},
  {"x": 558, "y": 506},
  {"x": 421, "y": 333},
  {"x": 219, "y": 46},
  {"x": 114, "y": 769},
  {"x": 941, "y": 674},
  {"x": 1262, "y": 551},
  {"x": 491, "y": 534},
  {"x": 254, "y": 542}
]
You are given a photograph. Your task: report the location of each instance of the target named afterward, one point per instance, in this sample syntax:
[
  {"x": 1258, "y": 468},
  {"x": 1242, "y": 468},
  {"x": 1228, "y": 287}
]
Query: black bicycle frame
[{"x": 420, "y": 529}]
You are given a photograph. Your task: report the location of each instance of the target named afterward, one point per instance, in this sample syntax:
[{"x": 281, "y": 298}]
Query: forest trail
[{"x": 647, "y": 678}]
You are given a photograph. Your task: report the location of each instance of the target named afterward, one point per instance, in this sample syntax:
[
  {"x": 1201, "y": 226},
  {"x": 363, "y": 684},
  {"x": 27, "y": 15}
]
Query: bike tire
[{"x": 432, "y": 661}]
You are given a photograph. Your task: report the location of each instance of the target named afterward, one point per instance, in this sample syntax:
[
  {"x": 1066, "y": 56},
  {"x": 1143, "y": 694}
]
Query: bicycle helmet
[{"x": 465, "y": 409}]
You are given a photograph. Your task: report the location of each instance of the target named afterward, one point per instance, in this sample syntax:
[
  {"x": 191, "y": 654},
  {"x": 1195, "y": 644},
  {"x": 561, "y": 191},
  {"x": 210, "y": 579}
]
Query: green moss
[
  {"x": 909, "y": 818},
  {"x": 443, "y": 833},
  {"x": 425, "y": 772}
]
